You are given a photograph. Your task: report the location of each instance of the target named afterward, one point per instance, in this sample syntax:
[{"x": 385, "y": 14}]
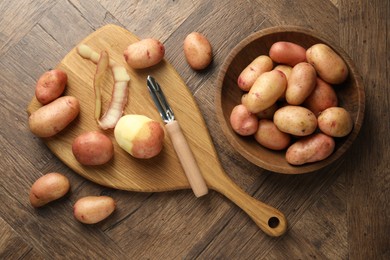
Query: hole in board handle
[{"x": 273, "y": 222}]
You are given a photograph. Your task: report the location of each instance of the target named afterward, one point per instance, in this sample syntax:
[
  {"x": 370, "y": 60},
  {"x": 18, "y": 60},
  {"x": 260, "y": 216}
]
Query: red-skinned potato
[
  {"x": 269, "y": 136},
  {"x": 301, "y": 83},
  {"x": 322, "y": 97},
  {"x": 48, "y": 188},
  {"x": 295, "y": 120},
  {"x": 328, "y": 64},
  {"x": 144, "y": 53},
  {"x": 287, "y": 53},
  {"x": 266, "y": 90},
  {"x": 50, "y": 86},
  {"x": 251, "y": 72},
  {"x": 242, "y": 121},
  {"x": 92, "y": 148},
  {"x": 197, "y": 50},
  {"x": 311, "y": 148},
  {"x": 93, "y": 209},
  {"x": 52, "y": 118},
  {"x": 335, "y": 121},
  {"x": 139, "y": 135}
]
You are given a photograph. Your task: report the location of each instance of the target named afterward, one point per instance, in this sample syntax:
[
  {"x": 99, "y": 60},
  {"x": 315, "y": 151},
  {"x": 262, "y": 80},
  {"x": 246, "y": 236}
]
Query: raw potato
[
  {"x": 249, "y": 75},
  {"x": 50, "y": 86},
  {"x": 48, "y": 188},
  {"x": 266, "y": 90},
  {"x": 322, "y": 97},
  {"x": 312, "y": 148},
  {"x": 92, "y": 148},
  {"x": 335, "y": 121},
  {"x": 295, "y": 120},
  {"x": 144, "y": 54},
  {"x": 287, "y": 53},
  {"x": 197, "y": 50},
  {"x": 242, "y": 121},
  {"x": 93, "y": 209},
  {"x": 54, "y": 117},
  {"x": 139, "y": 135},
  {"x": 269, "y": 136},
  {"x": 328, "y": 64},
  {"x": 286, "y": 69},
  {"x": 301, "y": 83}
]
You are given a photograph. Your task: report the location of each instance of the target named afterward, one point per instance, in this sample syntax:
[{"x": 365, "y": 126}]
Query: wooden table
[{"x": 341, "y": 212}]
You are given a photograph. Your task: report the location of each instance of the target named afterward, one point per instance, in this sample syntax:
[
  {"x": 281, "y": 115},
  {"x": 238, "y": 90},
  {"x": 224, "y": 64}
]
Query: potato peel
[{"x": 120, "y": 89}]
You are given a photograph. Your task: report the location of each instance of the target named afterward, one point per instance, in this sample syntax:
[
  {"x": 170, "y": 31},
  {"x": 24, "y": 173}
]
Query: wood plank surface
[{"x": 341, "y": 212}]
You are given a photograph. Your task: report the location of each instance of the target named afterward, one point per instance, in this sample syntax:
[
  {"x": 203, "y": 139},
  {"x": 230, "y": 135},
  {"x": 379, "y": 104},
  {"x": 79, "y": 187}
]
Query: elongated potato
[
  {"x": 328, "y": 64},
  {"x": 242, "y": 121},
  {"x": 335, "y": 121},
  {"x": 50, "y": 86},
  {"x": 92, "y": 148},
  {"x": 266, "y": 90},
  {"x": 322, "y": 97},
  {"x": 197, "y": 50},
  {"x": 93, "y": 209},
  {"x": 287, "y": 53},
  {"x": 248, "y": 76},
  {"x": 48, "y": 188},
  {"x": 301, "y": 83},
  {"x": 295, "y": 120},
  {"x": 54, "y": 117},
  {"x": 144, "y": 53},
  {"x": 312, "y": 148},
  {"x": 269, "y": 136}
]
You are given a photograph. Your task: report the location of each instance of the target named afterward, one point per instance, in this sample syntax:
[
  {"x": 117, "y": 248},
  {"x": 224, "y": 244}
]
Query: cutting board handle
[{"x": 269, "y": 219}]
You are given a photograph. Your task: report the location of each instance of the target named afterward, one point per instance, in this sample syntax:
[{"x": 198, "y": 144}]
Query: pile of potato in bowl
[{"x": 289, "y": 100}]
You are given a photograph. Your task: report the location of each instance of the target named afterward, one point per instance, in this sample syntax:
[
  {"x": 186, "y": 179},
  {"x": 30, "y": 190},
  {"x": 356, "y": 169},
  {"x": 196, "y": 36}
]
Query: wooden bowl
[{"x": 350, "y": 94}]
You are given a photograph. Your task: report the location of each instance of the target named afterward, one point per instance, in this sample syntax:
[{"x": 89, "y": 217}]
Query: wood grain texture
[{"x": 341, "y": 212}]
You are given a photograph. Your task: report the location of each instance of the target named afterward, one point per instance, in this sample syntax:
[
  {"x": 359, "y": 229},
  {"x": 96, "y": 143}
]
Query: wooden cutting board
[{"x": 163, "y": 172}]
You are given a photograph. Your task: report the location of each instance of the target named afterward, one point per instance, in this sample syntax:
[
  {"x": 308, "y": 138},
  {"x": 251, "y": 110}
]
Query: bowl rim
[{"x": 226, "y": 128}]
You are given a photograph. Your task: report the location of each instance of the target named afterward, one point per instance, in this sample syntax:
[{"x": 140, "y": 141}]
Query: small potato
[
  {"x": 322, "y": 97},
  {"x": 286, "y": 69},
  {"x": 269, "y": 136},
  {"x": 50, "y": 86},
  {"x": 311, "y": 148},
  {"x": 197, "y": 50},
  {"x": 249, "y": 75},
  {"x": 328, "y": 64},
  {"x": 54, "y": 117},
  {"x": 144, "y": 53},
  {"x": 335, "y": 121},
  {"x": 93, "y": 209},
  {"x": 92, "y": 148},
  {"x": 295, "y": 120},
  {"x": 139, "y": 135},
  {"x": 287, "y": 53},
  {"x": 301, "y": 83},
  {"x": 268, "y": 113},
  {"x": 48, "y": 188},
  {"x": 242, "y": 121},
  {"x": 266, "y": 90}
]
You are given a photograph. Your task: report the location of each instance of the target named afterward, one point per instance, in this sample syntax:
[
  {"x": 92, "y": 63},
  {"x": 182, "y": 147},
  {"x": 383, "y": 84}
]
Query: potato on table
[
  {"x": 93, "y": 209},
  {"x": 197, "y": 50},
  {"x": 48, "y": 188}
]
